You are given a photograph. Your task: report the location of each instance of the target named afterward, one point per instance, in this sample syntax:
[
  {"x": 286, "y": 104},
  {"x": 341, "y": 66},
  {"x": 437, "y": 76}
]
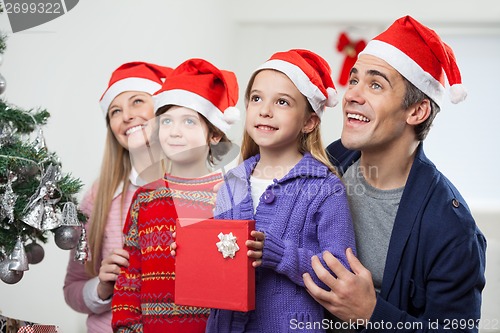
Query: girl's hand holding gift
[{"x": 256, "y": 247}]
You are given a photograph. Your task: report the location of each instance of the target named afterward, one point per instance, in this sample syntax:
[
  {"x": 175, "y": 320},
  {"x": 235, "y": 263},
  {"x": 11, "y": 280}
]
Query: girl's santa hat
[
  {"x": 310, "y": 73},
  {"x": 133, "y": 76},
  {"x": 420, "y": 55},
  {"x": 198, "y": 85}
]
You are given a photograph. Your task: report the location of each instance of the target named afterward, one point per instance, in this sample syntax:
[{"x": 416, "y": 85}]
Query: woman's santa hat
[
  {"x": 133, "y": 76},
  {"x": 310, "y": 73},
  {"x": 420, "y": 55},
  {"x": 198, "y": 85}
]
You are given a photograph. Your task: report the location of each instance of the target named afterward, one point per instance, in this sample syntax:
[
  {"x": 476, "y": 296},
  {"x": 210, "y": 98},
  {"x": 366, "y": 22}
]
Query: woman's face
[{"x": 128, "y": 116}]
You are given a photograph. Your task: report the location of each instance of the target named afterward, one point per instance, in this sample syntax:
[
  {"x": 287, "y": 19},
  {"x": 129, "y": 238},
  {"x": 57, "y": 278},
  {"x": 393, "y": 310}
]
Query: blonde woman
[{"x": 127, "y": 105}]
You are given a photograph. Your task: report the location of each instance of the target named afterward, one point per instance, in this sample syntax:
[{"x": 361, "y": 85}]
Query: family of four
[{"x": 365, "y": 232}]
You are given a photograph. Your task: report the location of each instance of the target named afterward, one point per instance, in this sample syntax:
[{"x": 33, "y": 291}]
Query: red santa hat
[
  {"x": 200, "y": 86},
  {"x": 420, "y": 55},
  {"x": 310, "y": 73},
  {"x": 133, "y": 76}
]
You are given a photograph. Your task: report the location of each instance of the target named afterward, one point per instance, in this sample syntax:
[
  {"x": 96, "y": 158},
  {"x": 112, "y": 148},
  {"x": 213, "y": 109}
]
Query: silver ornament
[
  {"x": 45, "y": 187},
  {"x": 82, "y": 249},
  {"x": 70, "y": 215},
  {"x": 40, "y": 213},
  {"x": 3, "y": 84},
  {"x": 40, "y": 141},
  {"x": 7, "y": 131},
  {"x": 35, "y": 253},
  {"x": 8, "y": 276},
  {"x": 8, "y": 199},
  {"x": 18, "y": 257},
  {"x": 66, "y": 238},
  {"x": 35, "y": 216},
  {"x": 49, "y": 179},
  {"x": 51, "y": 217}
]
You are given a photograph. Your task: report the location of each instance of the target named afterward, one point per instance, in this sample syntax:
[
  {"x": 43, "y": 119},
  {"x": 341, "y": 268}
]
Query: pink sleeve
[{"x": 76, "y": 277}]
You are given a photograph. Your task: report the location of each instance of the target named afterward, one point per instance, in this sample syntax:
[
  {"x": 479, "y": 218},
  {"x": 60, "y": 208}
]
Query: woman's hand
[{"x": 109, "y": 271}]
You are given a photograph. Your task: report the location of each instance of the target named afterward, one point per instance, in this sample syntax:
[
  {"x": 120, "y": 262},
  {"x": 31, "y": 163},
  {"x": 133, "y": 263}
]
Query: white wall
[{"x": 64, "y": 66}]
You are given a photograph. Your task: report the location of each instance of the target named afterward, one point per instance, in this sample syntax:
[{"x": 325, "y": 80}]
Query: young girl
[
  {"x": 195, "y": 108},
  {"x": 127, "y": 105},
  {"x": 288, "y": 186}
]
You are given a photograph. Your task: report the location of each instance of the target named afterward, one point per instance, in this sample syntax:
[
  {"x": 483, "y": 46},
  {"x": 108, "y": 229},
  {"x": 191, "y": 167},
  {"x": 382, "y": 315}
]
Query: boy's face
[
  {"x": 374, "y": 118},
  {"x": 183, "y": 135}
]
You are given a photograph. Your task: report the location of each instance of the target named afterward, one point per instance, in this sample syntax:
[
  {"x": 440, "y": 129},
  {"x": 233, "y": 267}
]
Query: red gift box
[{"x": 203, "y": 277}]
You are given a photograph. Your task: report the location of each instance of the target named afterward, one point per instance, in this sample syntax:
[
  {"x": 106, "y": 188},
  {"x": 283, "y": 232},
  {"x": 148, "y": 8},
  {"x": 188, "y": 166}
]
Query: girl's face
[
  {"x": 128, "y": 116},
  {"x": 183, "y": 135},
  {"x": 276, "y": 112}
]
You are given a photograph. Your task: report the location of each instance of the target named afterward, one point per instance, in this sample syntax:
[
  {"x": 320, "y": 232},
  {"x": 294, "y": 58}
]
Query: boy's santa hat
[
  {"x": 133, "y": 76},
  {"x": 310, "y": 73},
  {"x": 198, "y": 85},
  {"x": 420, "y": 55}
]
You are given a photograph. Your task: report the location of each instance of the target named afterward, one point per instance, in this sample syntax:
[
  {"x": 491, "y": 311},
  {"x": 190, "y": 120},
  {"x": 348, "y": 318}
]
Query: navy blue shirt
[{"x": 434, "y": 273}]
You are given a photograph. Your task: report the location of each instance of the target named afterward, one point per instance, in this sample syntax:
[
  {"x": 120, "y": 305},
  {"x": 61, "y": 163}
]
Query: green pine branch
[
  {"x": 27, "y": 160},
  {"x": 25, "y": 121}
]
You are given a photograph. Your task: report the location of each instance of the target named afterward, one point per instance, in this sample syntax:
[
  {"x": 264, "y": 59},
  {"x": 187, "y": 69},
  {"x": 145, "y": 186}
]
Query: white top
[{"x": 258, "y": 187}]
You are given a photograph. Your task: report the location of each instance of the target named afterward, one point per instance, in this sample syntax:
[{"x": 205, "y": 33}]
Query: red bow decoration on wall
[{"x": 351, "y": 50}]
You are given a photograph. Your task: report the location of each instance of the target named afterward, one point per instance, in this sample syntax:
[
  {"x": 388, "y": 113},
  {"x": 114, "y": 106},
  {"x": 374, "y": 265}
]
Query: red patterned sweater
[{"x": 143, "y": 299}]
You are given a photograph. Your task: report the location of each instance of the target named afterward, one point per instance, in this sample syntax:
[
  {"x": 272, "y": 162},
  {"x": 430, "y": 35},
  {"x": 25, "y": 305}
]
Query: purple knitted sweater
[{"x": 304, "y": 213}]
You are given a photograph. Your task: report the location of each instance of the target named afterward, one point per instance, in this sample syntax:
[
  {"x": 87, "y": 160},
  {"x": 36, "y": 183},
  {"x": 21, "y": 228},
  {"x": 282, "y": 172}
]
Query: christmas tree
[{"x": 36, "y": 198}]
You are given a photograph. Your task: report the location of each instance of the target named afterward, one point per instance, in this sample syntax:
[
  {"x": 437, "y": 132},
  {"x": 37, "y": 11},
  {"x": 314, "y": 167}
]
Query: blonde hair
[
  {"x": 115, "y": 170},
  {"x": 307, "y": 142}
]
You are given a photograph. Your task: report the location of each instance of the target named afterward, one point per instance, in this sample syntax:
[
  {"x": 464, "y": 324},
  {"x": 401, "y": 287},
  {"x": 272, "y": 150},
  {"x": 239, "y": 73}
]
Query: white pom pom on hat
[
  {"x": 332, "y": 99},
  {"x": 457, "y": 93},
  {"x": 231, "y": 115}
]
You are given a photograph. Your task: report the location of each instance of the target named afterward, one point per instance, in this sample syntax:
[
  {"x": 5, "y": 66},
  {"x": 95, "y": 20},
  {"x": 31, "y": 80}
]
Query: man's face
[{"x": 374, "y": 119}]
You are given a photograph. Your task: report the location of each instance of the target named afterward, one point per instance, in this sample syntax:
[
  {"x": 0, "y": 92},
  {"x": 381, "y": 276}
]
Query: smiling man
[{"x": 421, "y": 257}]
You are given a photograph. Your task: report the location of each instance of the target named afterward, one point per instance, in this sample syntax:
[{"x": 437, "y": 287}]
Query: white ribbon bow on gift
[{"x": 227, "y": 245}]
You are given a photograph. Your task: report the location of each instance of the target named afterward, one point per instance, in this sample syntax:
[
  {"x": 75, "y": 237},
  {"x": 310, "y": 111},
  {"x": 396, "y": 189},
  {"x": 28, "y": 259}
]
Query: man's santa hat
[
  {"x": 310, "y": 73},
  {"x": 420, "y": 55},
  {"x": 198, "y": 85},
  {"x": 133, "y": 76}
]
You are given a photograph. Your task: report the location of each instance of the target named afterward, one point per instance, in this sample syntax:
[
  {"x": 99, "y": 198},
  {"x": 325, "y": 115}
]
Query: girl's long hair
[
  {"x": 306, "y": 142},
  {"x": 115, "y": 170}
]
